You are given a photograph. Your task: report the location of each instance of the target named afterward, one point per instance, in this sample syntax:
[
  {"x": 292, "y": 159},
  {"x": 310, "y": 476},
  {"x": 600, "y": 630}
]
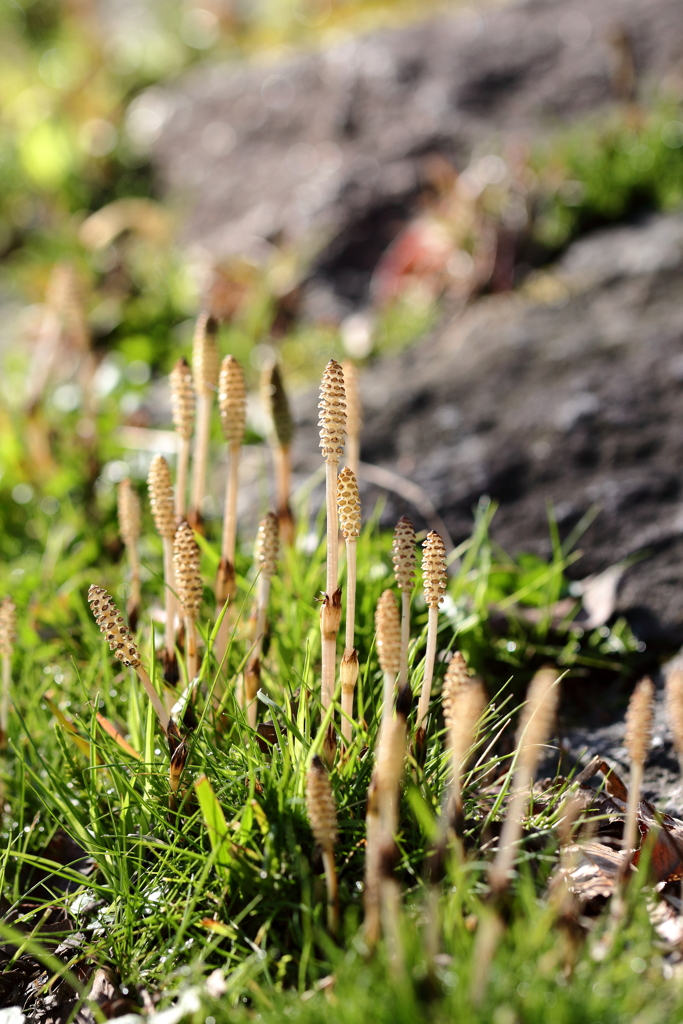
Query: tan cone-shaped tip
[
  {"x": 205, "y": 355},
  {"x": 130, "y": 513},
  {"x": 321, "y": 806},
  {"x": 8, "y": 626},
  {"x": 404, "y": 554},
  {"x": 456, "y": 678},
  {"x": 186, "y": 564},
  {"x": 538, "y": 715},
  {"x": 276, "y": 404},
  {"x": 388, "y": 625},
  {"x": 161, "y": 498},
  {"x": 639, "y": 721},
  {"x": 113, "y": 627},
  {"x": 182, "y": 398},
  {"x": 434, "y": 578},
  {"x": 348, "y": 503},
  {"x": 268, "y": 544},
  {"x": 465, "y": 709},
  {"x": 232, "y": 400},
  {"x": 332, "y": 406},
  {"x": 674, "y": 707}
]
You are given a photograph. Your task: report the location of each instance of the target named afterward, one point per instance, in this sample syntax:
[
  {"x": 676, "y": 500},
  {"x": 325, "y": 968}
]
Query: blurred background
[{"x": 450, "y": 194}]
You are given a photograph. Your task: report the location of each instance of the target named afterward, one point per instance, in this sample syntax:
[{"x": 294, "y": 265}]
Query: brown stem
[
  {"x": 349, "y": 675},
  {"x": 191, "y": 648},
  {"x": 283, "y": 485},
  {"x": 332, "y": 890}
]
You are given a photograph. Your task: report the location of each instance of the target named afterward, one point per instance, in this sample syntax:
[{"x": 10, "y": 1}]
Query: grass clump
[{"x": 253, "y": 846}]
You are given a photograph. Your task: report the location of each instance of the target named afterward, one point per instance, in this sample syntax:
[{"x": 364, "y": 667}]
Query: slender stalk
[
  {"x": 349, "y": 676},
  {"x": 191, "y": 655},
  {"x": 5, "y": 702},
  {"x": 183, "y": 405},
  {"x": 229, "y": 536},
  {"x": 169, "y": 598},
  {"x": 351, "y": 568},
  {"x": 8, "y": 633},
  {"x": 129, "y": 527},
  {"x": 186, "y": 562},
  {"x": 330, "y": 615},
  {"x": 332, "y": 891},
  {"x": 184, "y": 447},
  {"x": 281, "y": 433},
  {"x": 283, "y": 481},
  {"x": 332, "y": 528},
  {"x": 155, "y": 700},
  {"x": 404, "y": 556},
  {"x": 434, "y": 585},
  {"x": 371, "y": 887},
  {"x": 332, "y": 423},
  {"x": 111, "y": 624},
  {"x": 163, "y": 510},
  {"x": 232, "y": 404},
  {"x": 253, "y": 669},
  {"x": 631, "y": 825},
  {"x": 534, "y": 728},
  {"x": 382, "y": 824},
  {"x": 267, "y": 553},
  {"x": 201, "y": 455},
  {"x": 405, "y": 638},
  {"x": 637, "y": 740},
  {"x": 205, "y": 374},
  {"x": 322, "y": 814},
  {"x": 330, "y": 619},
  {"x": 430, "y": 655},
  {"x": 354, "y": 415}
]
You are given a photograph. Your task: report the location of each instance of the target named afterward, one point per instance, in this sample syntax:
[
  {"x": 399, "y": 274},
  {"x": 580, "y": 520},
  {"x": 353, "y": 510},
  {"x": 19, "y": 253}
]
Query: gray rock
[
  {"x": 329, "y": 146},
  {"x": 579, "y": 403}
]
